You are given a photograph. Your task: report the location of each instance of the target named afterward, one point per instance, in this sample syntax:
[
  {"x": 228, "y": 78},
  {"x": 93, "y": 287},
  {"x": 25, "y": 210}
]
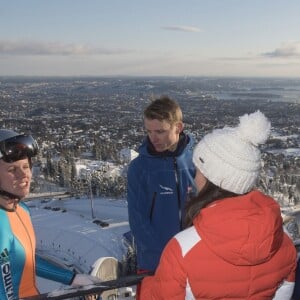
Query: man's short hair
[{"x": 164, "y": 109}]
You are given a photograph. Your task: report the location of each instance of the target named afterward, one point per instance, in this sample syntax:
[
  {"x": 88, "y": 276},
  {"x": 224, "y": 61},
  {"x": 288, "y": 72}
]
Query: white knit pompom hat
[{"x": 230, "y": 157}]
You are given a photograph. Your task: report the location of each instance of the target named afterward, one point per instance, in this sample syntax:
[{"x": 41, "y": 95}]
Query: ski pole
[{"x": 97, "y": 288}]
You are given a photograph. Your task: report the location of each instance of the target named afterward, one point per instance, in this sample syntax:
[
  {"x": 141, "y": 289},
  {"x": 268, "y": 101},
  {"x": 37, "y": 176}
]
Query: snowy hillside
[{"x": 67, "y": 234}]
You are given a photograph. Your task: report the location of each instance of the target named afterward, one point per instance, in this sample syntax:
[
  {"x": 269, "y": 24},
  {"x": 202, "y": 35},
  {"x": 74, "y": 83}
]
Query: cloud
[
  {"x": 287, "y": 50},
  {"x": 182, "y": 28},
  {"x": 53, "y": 48},
  {"x": 237, "y": 58}
]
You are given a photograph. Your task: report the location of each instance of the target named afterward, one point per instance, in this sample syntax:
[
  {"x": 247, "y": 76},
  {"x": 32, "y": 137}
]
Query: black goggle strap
[{"x": 9, "y": 195}]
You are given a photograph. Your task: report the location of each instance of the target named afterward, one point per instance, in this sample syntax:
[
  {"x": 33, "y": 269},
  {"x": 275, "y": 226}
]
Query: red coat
[{"x": 236, "y": 250}]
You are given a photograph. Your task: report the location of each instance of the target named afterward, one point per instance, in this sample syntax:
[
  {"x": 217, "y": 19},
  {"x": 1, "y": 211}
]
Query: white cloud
[
  {"x": 26, "y": 47},
  {"x": 182, "y": 28}
]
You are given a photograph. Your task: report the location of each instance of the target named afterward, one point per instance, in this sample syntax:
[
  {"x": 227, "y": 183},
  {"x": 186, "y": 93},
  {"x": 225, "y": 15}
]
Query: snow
[
  {"x": 128, "y": 155},
  {"x": 66, "y": 234},
  {"x": 85, "y": 167},
  {"x": 286, "y": 152}
]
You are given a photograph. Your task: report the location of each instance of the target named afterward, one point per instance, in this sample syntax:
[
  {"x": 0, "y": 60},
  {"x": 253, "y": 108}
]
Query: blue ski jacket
[
  {"x": 18, "y": 261},
  {"x": 158, "y": 187}
]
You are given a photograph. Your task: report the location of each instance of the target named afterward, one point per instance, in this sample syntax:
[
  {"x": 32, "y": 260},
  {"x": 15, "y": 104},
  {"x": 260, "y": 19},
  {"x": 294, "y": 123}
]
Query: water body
[
  {"x": 283, "y": 90},
  {"x": 219, "y": 88},
  {"x": 284, "y": 95}
]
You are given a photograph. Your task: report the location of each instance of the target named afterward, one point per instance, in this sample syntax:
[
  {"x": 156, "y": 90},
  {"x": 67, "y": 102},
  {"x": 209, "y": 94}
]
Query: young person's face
[
  {"x": 163, "y": 135},
  {"x": 199, "y": 180},
  {"x": 15, "y": 178}
]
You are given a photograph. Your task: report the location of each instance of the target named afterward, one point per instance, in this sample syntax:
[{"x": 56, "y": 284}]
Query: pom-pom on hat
[{"x": 230, "y": 157}]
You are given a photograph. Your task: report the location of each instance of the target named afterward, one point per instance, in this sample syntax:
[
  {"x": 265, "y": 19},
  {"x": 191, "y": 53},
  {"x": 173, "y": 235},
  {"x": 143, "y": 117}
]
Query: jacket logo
[
  {"x": 4, "y": 257},
  {"x": 6, "y": 274},
  {"x": 165, "y": 190}
]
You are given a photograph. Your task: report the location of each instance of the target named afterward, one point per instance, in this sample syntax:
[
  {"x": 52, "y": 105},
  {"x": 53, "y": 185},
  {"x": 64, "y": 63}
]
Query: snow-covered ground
[
  {"x": 286, "y": 152},
  {"x": 65, "y": 232}
]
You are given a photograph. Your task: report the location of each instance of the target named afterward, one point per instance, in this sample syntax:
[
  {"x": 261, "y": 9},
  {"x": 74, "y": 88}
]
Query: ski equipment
[{"x": 90, "y": 289}]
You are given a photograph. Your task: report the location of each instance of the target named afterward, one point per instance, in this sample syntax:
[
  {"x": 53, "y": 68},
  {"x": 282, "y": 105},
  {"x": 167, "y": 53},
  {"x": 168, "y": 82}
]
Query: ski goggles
[{"x": 18, "y": 147}]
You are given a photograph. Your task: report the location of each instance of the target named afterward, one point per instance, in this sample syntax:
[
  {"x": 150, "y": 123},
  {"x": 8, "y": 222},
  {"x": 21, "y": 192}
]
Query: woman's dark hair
[{"x": 209, "y": 193}]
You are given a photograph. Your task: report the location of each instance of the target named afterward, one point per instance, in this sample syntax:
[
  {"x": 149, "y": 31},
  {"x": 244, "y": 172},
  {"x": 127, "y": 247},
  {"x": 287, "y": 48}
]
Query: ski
[{"x": 98, "y": 288}]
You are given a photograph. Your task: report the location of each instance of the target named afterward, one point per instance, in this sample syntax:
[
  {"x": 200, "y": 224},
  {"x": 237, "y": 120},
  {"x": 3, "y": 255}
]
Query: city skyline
[{"x": 150, "y": 38}]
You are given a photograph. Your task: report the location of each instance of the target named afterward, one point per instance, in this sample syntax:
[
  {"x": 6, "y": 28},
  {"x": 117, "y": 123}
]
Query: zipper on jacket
[
  {"x": 152, "y": 206},
  {"x": 178, "y": 193}
]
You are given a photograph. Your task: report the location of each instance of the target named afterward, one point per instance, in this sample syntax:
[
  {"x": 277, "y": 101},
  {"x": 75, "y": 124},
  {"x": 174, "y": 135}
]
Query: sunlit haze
[{"x": 150, "y": 38}]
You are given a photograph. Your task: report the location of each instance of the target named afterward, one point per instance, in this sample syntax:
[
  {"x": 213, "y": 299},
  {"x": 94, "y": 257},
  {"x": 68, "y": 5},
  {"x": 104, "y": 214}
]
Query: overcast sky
[{"x": 150, "y": 37}]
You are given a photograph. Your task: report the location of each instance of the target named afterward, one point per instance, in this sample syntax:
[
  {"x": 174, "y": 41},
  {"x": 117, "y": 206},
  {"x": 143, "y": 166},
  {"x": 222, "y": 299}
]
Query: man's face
[
  {"x": 15, "y": 178},
  {"x": 162, "y": 134}
]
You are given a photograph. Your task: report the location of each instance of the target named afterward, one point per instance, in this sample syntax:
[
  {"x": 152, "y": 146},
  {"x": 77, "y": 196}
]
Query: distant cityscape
[{"x": 95, "y": 119}]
